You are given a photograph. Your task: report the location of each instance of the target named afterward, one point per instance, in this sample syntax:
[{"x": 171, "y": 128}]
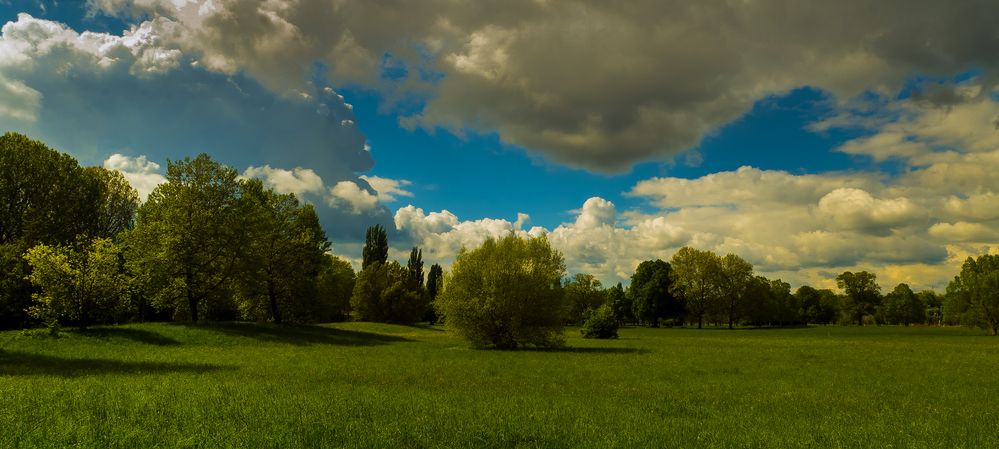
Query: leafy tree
[
  {"x": 375, "y": 246},
  {"x": 762, "y": 310},
  {"x": 809, "y": 300},
  {"x": 383, "y": 293},
  {"x": 862, "y": 294},
  {"x": 934, "y": 306},
  {"x": 415, "y": 267},
  {"x": 902, "y": 306},
  {"x": 600, "y": 323},
  {"x": 114, "y": 203},
  {"x": 651, "y": 296},
  {"x": 188, "y": 235},
  {"x": 44, "y": 196},
  {"x": 506, "y": 293},
  {"x": 828, "y": 308},
  {"x": 973, "y": 295},
  {"x": 435, "y": 283},
  {"x": 785, "y": 308},
  {"x": 621, "y": 304},
  {"x": 80, "y": 284},
  {"x": 281, "y": 258},
  {"x": 695, "y": 275},
  {"x": 583, "y": 293},
  {"x": 335, "y": 287},
  {"x": 15, "y": 290},
  {"x": 735, "y": 275}
]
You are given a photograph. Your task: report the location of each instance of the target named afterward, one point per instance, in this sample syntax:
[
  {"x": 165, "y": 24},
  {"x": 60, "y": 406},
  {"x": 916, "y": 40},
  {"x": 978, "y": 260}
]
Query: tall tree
[
  {"x": 695, "y": 274},
  {"x": 435, "y": 281},
  {"x": 336, "y": 285},
  {"x": 651, "y": 296},
  {"x": 114, "y": 203},
  {"x": 862, "y": 292},
  {"x": 620, "y": 304},
  {"x": 281, "y": 257},
  {"x": 383, "y": 293},
  {"x": 415, "y": 267},
  {"x": 735, "y": 274},
  {"x": 583, "y": 294},
  {"x": 375, "y": 246},
  {"x": 973, "y": 295},
  {"x": 188, "y": 235},
  {"x": 902, "y": 306}
]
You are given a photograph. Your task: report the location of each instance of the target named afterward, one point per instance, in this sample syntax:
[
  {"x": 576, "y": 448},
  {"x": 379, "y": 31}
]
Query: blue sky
[{"x": 806, "y": 146}]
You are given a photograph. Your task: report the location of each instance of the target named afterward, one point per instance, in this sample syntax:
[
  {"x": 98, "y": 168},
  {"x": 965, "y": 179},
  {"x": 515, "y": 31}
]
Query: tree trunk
[
  {"x": 730, "y": 321},
  {"x": 700, "y": 321},
  {"x": 272, "y": 295},
  {"x": 995, "y": 330},
  {"x": 192, "y": 301}
]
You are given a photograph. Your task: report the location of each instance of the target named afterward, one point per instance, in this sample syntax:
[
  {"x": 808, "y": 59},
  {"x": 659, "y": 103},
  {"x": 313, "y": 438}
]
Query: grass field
[{"x": 369, "y": 385}]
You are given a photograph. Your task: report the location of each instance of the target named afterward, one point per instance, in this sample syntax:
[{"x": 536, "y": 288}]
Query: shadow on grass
[
  {"x": 297, "y": 335},
  {"x": 748, "y": 328},
  {"x": 27, "y": 364},
  {"x": 579, "y": 350},
  {"x": 136, "y": 335},
  {"x": 426, "y": 327}
]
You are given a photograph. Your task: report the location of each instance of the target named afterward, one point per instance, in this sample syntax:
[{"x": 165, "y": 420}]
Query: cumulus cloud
[
  {"x": 142, "y": 174},
  {"x": 350, "y": 196},
  {"x": 300, "y": 181},
  {"x": 587, "y": 83},
  {"x": 388, "y": 189},
  {"x": 93, "y": 94}
]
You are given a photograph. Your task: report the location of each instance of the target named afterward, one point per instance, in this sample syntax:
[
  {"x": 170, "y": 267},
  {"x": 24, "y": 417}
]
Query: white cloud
[
  {"x": 388, "y": 189},
  {"x": 348, "y": 195},
  {"x": 299, "y": 180},
  {"x": 141, "y": 173}
]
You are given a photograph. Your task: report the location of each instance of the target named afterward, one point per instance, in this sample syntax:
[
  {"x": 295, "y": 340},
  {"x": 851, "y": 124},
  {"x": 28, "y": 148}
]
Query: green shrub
[{"x": 600, "y": 324}]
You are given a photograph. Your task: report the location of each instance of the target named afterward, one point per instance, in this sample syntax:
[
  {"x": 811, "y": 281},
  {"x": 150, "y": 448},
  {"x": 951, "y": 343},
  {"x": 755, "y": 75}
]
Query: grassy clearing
[{"x": 369, "y": 385}]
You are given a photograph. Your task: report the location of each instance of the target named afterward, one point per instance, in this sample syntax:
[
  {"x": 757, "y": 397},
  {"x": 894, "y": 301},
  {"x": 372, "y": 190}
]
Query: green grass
[{"x": 369, "y": 385}]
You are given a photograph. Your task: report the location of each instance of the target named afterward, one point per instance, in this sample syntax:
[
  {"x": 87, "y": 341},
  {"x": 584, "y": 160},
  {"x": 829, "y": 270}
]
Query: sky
[{"x": 810, "y": 138}]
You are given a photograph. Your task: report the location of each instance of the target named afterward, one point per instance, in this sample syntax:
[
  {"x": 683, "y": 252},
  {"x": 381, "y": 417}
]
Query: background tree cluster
[{"x": 77, "y": 248}]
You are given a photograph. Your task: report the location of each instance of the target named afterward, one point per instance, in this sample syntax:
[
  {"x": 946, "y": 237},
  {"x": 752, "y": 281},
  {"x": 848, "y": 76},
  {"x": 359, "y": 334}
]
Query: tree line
[{"x": 77, "y": 248}]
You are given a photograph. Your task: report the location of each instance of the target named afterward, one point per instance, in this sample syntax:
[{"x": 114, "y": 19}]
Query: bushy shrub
[
  {"x": 600, "y": 324},
  {"x": 506, "y": 293}
]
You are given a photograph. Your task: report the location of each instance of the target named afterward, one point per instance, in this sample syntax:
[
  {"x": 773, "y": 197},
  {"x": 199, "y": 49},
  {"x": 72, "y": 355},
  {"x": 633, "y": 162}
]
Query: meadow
[{"x": 373, "y": 385}]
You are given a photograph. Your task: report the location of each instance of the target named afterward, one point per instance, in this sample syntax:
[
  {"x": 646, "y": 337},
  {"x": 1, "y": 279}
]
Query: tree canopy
[{"x": 506, "y": 293}]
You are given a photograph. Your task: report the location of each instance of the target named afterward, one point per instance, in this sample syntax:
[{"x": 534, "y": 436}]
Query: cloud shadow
[
  {"x": 14, "y": 363},
  {"x": 136, "y": 335},
  {"x": 297, "y": 335}
]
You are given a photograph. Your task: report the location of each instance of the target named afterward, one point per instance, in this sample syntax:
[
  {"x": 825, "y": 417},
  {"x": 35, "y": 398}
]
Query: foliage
[
  {"x": 335, "y": 287},
  {"x": 15, "y": 290},
  {"x": 902, "y": 306},
  {"x": 83, "y": 284},
  {"x": 695, "y": 279},
  {"x": 600, "y": 323},
  {"x": 44, "y": 195},
  {"x": 188, "y": 236},
  {"x": 973, "y": 295},
  {"x": 114, "y": 201},
  {"x": 735, "y": 275},
  {"x": 862, "y": 294},
  {"x": 435, "y": 283},
  {"x": 934, "y": 306},
  {"x": 506, "y": 293},
  {"x": 621, "y": 304},
  {"x": 415, "y": 267},
  {"x": 583, "y": 294},
  {"x": 282, "y": 257},
  {"x": 375, "y": 246},
  {"x": 384, "y": 293},
  {"x": 651, "y": 294}
]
